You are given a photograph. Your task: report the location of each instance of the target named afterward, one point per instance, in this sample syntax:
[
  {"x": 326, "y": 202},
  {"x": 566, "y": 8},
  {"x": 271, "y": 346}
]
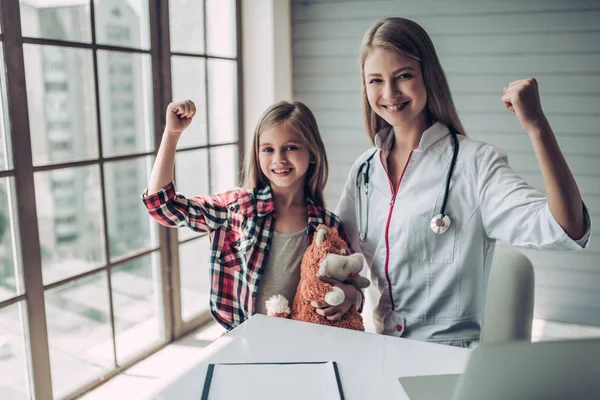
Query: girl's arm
[
  {"x": 172, "y": 209},
  {"x": 564, "y": 199},
  {"x": 353, "y": 298},
  {"x": 179, "y": 117}
]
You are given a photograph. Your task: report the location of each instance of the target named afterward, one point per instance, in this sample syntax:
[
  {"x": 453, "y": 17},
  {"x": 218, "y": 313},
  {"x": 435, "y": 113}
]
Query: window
[
  {"x": 129, "y": 140},
  {"x": 56, "y": 185},
  {"x": 66, "y": 220},
  {"x": 59, "y": 125},
  {"x": 64, "y": 146},
  {"x": 117, "y": 33},
  {"x": 208, "y": 75},
  {"x": 86, "y": 128},
  {"x": 128, "y": 123},
  {"x": 56, "y": 86},
  {"x": 14, "y": 351},
  {"x": 61, "y": 239}
]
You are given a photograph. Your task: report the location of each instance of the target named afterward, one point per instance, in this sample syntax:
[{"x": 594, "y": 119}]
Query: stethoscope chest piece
[{"x": 440, "y": 224}]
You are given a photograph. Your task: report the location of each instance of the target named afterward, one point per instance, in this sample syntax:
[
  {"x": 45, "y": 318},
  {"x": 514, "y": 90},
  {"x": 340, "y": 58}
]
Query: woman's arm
[
  {"x": 564, "y": 199},
  {"x": 179, "y": 117}
]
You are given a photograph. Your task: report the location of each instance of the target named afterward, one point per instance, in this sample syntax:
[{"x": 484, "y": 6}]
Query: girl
[
  {"x": 258, "y": 234},
  {"x": 431, "y": 272}
]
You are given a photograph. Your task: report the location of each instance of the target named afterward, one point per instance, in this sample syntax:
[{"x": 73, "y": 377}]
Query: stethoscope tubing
[{"x": 439, "y": 224}]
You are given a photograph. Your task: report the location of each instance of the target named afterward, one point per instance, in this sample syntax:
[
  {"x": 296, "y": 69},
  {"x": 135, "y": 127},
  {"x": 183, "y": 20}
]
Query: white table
[{"x": 369, "y": 364}]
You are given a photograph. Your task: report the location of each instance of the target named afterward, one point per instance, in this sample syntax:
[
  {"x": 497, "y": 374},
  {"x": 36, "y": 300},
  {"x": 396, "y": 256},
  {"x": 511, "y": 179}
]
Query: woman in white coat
[{"x": 428, "y": 204}]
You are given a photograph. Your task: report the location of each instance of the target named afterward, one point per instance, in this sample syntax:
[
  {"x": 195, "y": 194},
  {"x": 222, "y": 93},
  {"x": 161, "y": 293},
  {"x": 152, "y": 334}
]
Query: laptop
[{"x": 568, "y": 369}]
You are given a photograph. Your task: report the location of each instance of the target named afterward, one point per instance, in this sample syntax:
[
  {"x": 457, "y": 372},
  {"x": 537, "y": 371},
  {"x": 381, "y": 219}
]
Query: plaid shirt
[{"x": 240, "y": 224}]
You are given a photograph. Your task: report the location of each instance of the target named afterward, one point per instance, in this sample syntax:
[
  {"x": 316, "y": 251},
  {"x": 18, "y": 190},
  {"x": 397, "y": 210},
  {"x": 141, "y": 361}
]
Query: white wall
[
  {"x": 482, "y": 45},
  {"x": 267, "y": 58}
]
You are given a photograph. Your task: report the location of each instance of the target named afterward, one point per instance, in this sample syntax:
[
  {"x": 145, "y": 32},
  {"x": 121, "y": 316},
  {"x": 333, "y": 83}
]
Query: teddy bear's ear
[{"x": 321, "y": 234}]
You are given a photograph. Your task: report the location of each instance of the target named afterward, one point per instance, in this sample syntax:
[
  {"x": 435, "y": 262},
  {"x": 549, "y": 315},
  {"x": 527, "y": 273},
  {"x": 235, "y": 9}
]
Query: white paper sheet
[{"x": 274, "y": 382}]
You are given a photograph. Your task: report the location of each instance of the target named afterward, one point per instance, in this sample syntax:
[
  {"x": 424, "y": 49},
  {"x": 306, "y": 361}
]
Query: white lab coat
[{"x": 432, "y": 285}]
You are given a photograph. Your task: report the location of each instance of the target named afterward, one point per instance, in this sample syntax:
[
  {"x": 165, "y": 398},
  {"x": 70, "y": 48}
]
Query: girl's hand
[
  {"x": 179, "y": 116},
  {"x": 523, "y": 100},
  {"x": 334, "y": 313}
]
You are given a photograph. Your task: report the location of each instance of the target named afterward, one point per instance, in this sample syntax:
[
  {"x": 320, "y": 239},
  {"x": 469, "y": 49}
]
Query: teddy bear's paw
[
  {"x": 278, "y": 306},
  {"x": 335, "y": 297}
]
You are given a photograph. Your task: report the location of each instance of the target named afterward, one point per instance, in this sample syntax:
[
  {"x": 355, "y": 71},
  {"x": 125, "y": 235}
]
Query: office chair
[{"x": 508, "y": 313}]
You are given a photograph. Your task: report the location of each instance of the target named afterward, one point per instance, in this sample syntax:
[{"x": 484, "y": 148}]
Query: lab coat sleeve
[
  {"x": 345, "y": 210},
  {"x": 515, "y": 212}
]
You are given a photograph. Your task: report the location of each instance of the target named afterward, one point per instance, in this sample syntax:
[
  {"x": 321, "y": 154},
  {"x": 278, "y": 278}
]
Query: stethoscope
[{"x": 439, "y": 223}]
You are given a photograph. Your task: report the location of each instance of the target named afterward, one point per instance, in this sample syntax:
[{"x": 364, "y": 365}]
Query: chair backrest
[{"x": 508, "y": 314}]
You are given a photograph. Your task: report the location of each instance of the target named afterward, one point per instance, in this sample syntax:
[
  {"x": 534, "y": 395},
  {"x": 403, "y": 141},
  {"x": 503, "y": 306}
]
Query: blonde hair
[
  {"x": 408, "y": 38},
  {"x": 297, "y": 117}
]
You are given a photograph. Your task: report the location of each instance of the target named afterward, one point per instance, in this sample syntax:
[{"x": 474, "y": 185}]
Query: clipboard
[{"x": 318, "y": 380}]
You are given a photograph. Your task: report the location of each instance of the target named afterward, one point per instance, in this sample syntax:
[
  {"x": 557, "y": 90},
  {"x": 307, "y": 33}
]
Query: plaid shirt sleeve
[{"x": 202, "y": 214}]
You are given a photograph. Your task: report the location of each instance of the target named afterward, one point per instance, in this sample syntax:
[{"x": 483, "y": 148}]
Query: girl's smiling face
[
  {"x": 395, "y": 87},
  {"x": 284, "y": 159}
]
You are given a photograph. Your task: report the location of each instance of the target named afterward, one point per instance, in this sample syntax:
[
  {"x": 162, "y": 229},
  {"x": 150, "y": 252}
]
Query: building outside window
[{"x": 97, "y": 294}]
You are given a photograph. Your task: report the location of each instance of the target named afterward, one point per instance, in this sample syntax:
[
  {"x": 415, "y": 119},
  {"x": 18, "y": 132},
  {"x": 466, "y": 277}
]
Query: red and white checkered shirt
[{"x": 240, "y": 224}]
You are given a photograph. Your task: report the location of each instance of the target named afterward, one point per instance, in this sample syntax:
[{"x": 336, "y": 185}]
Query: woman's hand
[
  {"x": 334, "y": 313},
  {"x": 523, "y": 100},
  {"x": 179, "y": 116}
]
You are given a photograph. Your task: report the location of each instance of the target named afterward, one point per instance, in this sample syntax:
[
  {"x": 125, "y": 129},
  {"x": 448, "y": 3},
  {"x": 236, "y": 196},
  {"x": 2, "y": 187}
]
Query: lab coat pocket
[{"x": 428, "y": 246}]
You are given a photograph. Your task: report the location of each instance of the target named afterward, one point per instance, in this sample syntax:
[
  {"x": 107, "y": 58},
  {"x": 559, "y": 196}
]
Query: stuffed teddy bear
[{"x": 328, "y": 255}]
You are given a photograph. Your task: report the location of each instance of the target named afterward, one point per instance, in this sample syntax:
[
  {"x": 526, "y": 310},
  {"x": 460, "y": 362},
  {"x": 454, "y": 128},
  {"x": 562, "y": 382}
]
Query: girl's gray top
[{"x": 282, "y": 268}]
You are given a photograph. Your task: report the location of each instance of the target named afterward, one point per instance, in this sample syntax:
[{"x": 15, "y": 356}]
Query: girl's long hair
[
  {"x": 408, "y": 38},
  {"x": 297, "y": 117}
]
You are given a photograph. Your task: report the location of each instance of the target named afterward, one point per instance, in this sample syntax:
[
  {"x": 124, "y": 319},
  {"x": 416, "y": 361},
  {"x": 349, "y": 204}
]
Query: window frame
[{"x": 23, "y": 170}]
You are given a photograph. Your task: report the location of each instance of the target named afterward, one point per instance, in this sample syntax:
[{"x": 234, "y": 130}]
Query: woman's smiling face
[{"x": 395, "y": 87}]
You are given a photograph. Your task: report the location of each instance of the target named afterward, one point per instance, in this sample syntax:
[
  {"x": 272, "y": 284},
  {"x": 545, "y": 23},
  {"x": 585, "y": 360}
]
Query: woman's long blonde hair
[
  {"x": 408, "y": 38},
  {"x": 297, "y": 117}
]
